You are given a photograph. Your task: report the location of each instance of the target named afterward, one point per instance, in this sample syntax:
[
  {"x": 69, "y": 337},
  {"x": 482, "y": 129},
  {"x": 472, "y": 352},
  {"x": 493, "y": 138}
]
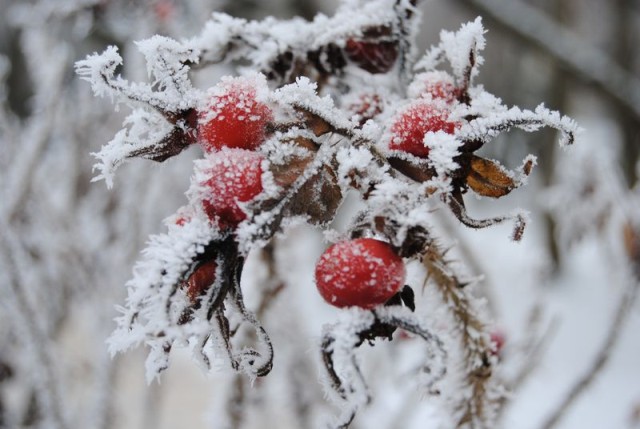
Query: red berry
[
  {"x": 374, "y": 57},
  {"x": 182, "y": 216},
  {"x": 414, "y": 122},
  {"x": 435, "y": 85},
  {"x": 234, "y": 116},
  {"x": 229, "y": 177},
  {"x": 497, "y": 341},
  {"x": 366, "y": 107},
  {"x": 164, "y": 10},
  {"x": 201, "y": 279},
  {"x": 363, "y": 272}
]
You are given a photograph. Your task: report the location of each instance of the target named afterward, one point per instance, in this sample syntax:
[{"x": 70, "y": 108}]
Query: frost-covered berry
[
  {"x": 164, "y": 10},
  {"x": 201, "y": 280},
  {"x": 235, "y": 114},
  {"x": 434, "y": 84},
  {"x": 227, "y": 178},
  {"x": 182, "y": 216},
  {"x": 372, "y": 56},
  {"x": 410, "y": 126},
  {"x": 497, "y": 341},
  {"x": 363, "y": 272},
  {"x": 366, "y": 106}
]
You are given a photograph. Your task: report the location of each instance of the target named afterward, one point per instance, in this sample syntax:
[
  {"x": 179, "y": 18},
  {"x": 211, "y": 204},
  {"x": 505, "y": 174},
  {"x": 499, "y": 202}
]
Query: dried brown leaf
[
  {"x": 319, "y": 197},
  {"x": 489, "y": 179}
]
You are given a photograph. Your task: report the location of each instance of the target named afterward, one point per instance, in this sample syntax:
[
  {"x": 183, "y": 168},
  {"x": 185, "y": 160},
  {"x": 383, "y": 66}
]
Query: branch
[
  {"x": 476, "y": 408},
  {"x": 589, "y": 63}
]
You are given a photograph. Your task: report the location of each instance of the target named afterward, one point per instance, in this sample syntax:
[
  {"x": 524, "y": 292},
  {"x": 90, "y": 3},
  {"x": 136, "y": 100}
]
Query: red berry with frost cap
[
  {"x": 235, "y": 115},
  {"x": 363, "y": 272},
  {"x": 410, "y": 126},
  {"x": 435, "y": 85},
  {"x": 226, "y": 179}
]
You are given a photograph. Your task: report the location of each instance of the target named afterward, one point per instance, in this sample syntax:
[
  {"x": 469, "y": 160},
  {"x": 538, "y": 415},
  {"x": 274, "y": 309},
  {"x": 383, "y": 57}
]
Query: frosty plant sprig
[{"x": 320, "y": 108}]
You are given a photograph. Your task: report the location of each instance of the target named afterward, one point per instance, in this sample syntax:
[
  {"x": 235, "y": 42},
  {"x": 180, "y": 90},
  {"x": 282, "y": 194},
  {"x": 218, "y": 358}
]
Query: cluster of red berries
[
  {"x": 364, "y": 272},
  {"x": 231, "y": 126}
]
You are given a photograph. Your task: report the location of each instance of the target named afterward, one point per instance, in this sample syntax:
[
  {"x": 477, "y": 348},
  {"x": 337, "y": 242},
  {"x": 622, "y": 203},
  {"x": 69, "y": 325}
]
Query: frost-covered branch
[
  {"x": 487, "y": 128},
  {"x": 477, "y": 404}
]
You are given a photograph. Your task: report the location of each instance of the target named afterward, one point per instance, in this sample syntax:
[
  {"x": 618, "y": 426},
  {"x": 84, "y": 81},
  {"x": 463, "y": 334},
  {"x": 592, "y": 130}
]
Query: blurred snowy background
[{"x": 563, "y": 298}]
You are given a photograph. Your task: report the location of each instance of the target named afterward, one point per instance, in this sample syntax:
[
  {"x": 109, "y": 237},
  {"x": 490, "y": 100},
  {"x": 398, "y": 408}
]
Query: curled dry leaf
[{"x": 490, "y": 179}]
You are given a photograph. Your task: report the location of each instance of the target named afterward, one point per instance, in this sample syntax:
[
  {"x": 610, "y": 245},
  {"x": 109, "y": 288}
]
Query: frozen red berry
[
  {"x": 235, "y": 116},
  {"x": 363, "y": 272},
  {"x": 227, "y": 178},
  {"x": 164, "y": 10},
  {"x": 367, "y": 106},
  {"x": 374, "y": 56},
  {"x": 201, "y": 279},
  {"x": 434, "y": 84},
  {"x": 498, "y": 339},
  {"x": 410, "y": 126},
  {"x": 182, "y": 216}
]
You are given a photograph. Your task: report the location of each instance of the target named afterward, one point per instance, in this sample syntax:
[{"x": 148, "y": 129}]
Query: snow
[
  {"x": 455, "y": 47},
  {"x": 443, "y": 147}
]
